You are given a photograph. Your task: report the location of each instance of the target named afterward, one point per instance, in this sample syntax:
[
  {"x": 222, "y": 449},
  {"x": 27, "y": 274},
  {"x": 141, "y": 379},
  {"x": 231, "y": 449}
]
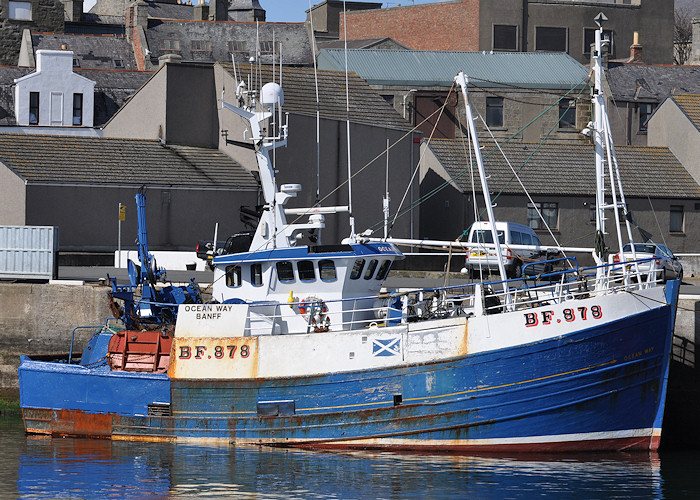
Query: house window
[
  {"x": 76, "y": 62},
  {"x": 34, "y": 108},
  {"x": 269, "y": 47},
  {"x": 20, "y": 11},
  {"x": 201, "y": 45},
  {"x": 171, "y": 45},
  {"x": 233, "y": 276},
  {"x": 550, "y": 214},
  {"x": 77, "y": 109},
  {"x": 645, "y": 111},
  {"x": 505, "y": 37},
  {"x": 676, "y": 219},
  {"x": 589, "y": 39},
  {"x": 494, "y": 111},
  {"x": 237, "y": 46},
  {"x": 118, "y": 63},
  {"x": 551, "y": 39},
  {"x": 567, "y": 114}
]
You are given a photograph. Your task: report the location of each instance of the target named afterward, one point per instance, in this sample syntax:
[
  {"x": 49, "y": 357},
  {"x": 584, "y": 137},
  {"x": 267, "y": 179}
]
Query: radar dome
[{"x": 272, "y": 95}]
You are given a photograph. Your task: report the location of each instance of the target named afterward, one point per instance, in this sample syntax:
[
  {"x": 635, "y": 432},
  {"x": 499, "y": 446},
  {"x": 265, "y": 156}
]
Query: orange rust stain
[{"x": 464, "y": 347}]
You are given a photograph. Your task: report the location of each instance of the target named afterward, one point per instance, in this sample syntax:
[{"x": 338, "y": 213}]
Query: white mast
[
  {"x": 598, "y": 104},
  {"x": 461, "y": 80}
]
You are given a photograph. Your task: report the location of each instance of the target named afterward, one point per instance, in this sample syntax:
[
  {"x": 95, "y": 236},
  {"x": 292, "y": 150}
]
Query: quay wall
[{"x": 38, "y": 318}]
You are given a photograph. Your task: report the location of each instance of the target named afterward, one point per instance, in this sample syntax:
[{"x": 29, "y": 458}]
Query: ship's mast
[{"x": 461, "y": 80}]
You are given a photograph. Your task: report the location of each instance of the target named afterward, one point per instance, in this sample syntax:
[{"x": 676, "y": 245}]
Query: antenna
[
  {"x": 318, "y": 112},
  {"x": 353, "y": 239}
]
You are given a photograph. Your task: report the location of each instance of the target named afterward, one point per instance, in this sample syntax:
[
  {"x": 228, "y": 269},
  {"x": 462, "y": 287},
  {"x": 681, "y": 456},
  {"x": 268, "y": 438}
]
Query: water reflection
[{"x": 82, "y": 468}]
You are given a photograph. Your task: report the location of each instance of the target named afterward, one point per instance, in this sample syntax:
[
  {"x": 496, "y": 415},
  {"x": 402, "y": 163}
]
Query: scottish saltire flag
[{"x": 388, "y": 347}]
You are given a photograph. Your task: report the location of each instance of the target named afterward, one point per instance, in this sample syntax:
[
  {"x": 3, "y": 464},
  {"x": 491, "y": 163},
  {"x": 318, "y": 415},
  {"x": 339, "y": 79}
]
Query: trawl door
[{"x": 56, "y": 108}]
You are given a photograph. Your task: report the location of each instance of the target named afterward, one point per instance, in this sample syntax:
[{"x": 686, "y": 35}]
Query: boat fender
[{"x": 291, "y": 300}]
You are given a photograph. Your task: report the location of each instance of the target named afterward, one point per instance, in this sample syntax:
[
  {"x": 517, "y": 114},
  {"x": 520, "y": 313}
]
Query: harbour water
[{"x": 32, "y": 467}]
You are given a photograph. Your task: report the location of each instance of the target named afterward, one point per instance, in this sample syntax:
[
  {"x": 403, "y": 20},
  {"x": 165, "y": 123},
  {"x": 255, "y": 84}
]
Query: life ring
[{"x": 315, "y": 311}]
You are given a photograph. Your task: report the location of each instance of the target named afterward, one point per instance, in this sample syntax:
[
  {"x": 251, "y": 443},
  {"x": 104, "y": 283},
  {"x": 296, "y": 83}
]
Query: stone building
[
  {"x": 35, "y": 15},
  {"x": 520, "y": 25}
]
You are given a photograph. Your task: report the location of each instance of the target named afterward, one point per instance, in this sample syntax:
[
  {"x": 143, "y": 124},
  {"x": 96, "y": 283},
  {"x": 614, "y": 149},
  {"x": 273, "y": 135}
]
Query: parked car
[
  {"x": 659, "y": 256},
  {"x": 519, "y": 242}
]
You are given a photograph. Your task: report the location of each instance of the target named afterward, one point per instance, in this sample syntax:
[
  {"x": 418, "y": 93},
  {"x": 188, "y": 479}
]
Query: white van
[{"x": 518, "y": 243}]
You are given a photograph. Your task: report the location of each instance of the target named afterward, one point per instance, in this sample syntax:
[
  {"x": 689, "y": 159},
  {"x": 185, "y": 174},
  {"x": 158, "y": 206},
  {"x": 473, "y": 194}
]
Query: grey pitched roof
[
  {"x": 365, "y": 43},
  {"x": 170, "y": 10},
  {"x": 92, "y": 51},
  {"x": 93, "y": 160},
  {"x": 651, "y": 82},
  {"x": 293, "y": 38},
  {"x": 112, "y": 89},
  {"x": 366, "y": 106},
  {"x": 568, "y": 169},
  {"x": 541, "y": 70}
]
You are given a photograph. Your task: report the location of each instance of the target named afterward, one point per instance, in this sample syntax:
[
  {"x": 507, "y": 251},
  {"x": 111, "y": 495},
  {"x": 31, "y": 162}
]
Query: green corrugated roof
[{"x": 539, "y": 70}]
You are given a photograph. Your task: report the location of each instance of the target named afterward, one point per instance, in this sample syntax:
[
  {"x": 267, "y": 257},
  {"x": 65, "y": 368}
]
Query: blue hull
[{"x": 601, "y": 388}]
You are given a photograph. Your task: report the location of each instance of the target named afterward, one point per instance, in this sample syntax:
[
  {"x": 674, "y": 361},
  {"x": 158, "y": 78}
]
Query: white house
[{"x": 54, "y": 96}]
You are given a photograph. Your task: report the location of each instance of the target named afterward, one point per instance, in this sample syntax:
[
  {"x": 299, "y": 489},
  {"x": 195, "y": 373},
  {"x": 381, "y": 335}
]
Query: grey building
[
  {"x": 167, "y": 109},
  {"x": 77, "y": 183},
  {"x": 676, "y": 125},
  {"x": 636, "y": 90},
  {"x": 561, "y": 180},
  {"x": 533, "y": 96}
]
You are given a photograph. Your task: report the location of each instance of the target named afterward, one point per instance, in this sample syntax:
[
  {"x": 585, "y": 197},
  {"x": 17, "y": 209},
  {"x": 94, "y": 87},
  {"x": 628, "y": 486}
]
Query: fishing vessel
[{"x": 302, "y": 346}]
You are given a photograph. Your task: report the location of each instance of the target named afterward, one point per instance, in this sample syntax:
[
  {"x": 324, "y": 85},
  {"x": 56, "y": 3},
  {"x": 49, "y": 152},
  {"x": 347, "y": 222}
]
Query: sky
[{"x": 294, "y": 11}]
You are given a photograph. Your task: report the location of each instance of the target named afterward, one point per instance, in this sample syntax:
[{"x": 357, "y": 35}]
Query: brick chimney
[
  {"x": 73, "y": 9},
  {"x": 136, "y": 16},
  {"x": 636, "y": 50},
  {"x": 695, "y": 51}
]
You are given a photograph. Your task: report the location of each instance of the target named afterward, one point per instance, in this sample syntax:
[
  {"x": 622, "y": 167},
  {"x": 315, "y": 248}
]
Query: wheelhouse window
[
  {"x": 326, "y": 269},
  {"x": 357, "y": 269},
  {"x": 567, "y": 114},
  {"x": 33, "y": 108},
  {"x": 494, "y": 111},
  {"x": 384, "y": 270},
  {"x": 285, "y": 271},
  {"x": 371, "y": 268},
  {"x": 233, "y": 276},
  {"x": 645, "y": 111},
  {"x": 550, "y": 214},
  {"x": 256, "y": 274},
  {"x": 21, "y": 11},
  {"x": 77, "y": 109},
  {"x": 505, "y": 37},
  {"x": 676, "y": 225},
  {"x": 306, "y": 270},
  {"x": 551, "y": 39}
]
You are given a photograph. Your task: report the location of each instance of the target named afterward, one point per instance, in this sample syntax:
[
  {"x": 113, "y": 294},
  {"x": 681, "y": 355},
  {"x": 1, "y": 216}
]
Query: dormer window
[
  {"x": 118, "y": 63},
  {"x": 21, "y": 11},
  {"x": 34, "y": 108},
  {"x": 76, "y": 62}
]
